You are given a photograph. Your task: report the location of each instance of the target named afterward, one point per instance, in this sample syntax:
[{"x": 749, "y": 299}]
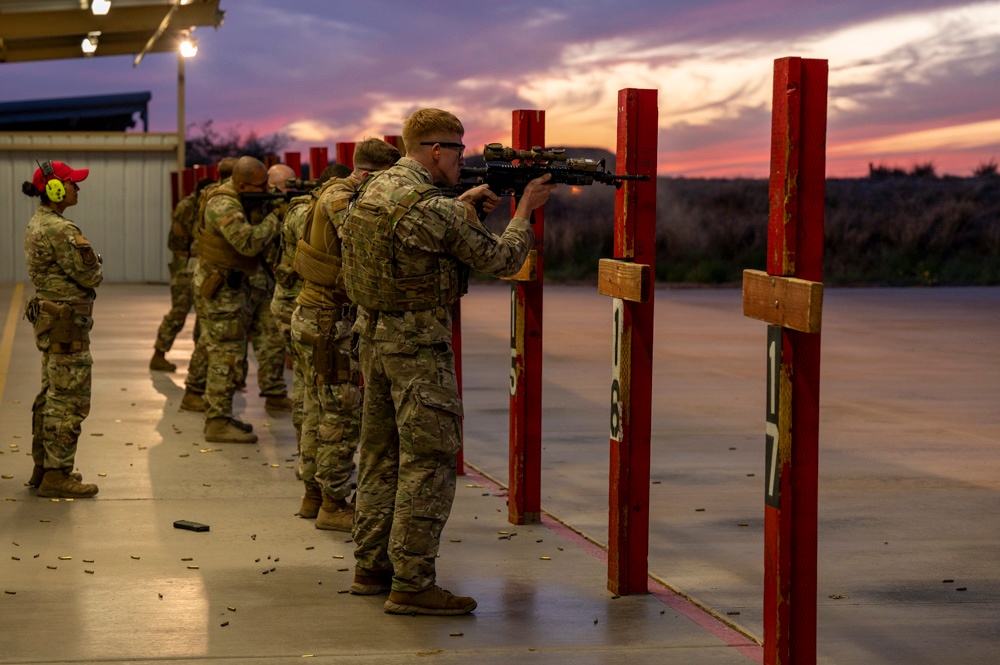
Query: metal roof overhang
[{"x": 53, "y": 29}]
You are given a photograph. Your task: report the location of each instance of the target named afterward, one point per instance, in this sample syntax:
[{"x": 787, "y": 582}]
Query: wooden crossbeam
[
  {"x": 624, "y": 279},
  {"x": 529, "y": 271},
  {"x": 783, "y": 301}
]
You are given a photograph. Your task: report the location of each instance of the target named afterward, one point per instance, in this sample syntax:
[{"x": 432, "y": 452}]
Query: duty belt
[{"x": 52, "y": 307}]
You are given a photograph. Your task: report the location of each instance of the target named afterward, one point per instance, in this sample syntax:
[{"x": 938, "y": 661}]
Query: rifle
[
  {"x": 506, "y": 178},
  {"x": 249, "y": 198}
]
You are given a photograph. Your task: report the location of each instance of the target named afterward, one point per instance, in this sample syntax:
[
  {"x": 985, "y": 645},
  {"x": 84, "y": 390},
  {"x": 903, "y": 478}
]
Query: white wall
[{"x": 124, "y": 206}]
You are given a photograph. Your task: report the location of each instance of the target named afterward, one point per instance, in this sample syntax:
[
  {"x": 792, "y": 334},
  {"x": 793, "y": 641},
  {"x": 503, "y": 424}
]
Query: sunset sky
[{"x": 911, "y": 81}]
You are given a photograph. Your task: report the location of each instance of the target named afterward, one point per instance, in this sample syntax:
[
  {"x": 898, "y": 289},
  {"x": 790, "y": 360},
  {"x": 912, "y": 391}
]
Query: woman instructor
[{"x": 66, "y": 271}]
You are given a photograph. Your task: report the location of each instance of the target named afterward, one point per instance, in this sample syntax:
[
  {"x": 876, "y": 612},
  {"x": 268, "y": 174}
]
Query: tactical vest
[
  {"x": 212, "y": 247},
  {"x": 369, "y": 255},
  {"x": 313, "y": 264}
]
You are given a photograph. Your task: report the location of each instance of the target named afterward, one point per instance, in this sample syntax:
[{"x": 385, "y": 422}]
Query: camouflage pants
[
  {"x": 282, "y": 312},
  {"x": 63, "y": 402},
  {"x": 263, "y": 334},
  {"x": 331, "y": 423},
  {"x": 410, "y": 437},
  {"x": 223, "y": 320},
  {"x": 181, "y": 301},
  {"x": 197, "y": 374}
]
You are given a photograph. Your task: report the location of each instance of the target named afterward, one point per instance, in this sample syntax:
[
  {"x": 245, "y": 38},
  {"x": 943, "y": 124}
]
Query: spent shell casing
[
  {"x": 89, "y": 572},
  {"x": 65, "y": 558}
]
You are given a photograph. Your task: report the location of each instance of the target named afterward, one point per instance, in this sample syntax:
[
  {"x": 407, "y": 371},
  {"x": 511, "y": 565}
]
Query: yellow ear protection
[{"x": 54, "y": 187}]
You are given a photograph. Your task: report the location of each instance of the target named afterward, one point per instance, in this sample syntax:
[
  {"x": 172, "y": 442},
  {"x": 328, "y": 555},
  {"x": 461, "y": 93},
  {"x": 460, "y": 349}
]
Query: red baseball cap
[{"x": 62, "y": 172}]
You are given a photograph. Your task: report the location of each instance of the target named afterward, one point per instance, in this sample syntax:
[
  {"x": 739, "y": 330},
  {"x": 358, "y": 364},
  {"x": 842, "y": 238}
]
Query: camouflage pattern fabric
[
  {"x": 263, "y": 333},
  {"x": 286, "y": 289},
  {"x": 182, "y": 267},
  {"x": 410, "y": 437},
  {"x": 225, "y": 315},
  {"x": 64, "y": 268},
  {"x": 410, "y": 426},
  {"x": 181, "y": 301},
  {"x": 332, "y": 410},
  {"x": 197, "y": 375}
]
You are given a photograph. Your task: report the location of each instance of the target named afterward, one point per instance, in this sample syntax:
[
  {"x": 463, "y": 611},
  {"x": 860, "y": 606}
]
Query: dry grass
[{"x": 897, "y": 230}]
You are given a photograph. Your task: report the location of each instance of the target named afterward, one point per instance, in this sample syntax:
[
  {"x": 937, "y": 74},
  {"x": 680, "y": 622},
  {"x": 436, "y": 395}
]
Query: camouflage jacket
[
  {"x": 433, "y": 227},
  {"x": 288, "y": 282},
  {"x": 61, "y": 262},
  {"x": 182, "y": 228},
  {"x": 225, "y": 216}
]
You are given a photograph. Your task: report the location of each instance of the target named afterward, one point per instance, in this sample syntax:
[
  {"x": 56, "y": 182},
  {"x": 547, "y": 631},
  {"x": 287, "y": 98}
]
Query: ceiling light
[
  {"x": 100, "y": 7},
  {"x": 189, "y": 47},
  {"x": 89, "y": 43}
]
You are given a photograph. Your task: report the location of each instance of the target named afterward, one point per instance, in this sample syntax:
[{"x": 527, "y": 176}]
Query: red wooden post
[
  {"x": 213, "y": 172},
  {"x": 629, "y": 279},
  {"x": 199, "y": 173},
  {"x": 789, "y": 297},
  {"x": 187, "y": 181},
  {"x": 318, "y": 161},
  {"x": 396, "y": 140},
  {"x": 175, "y": 190},
  {"x": 345, "y": 154},
  {"x": 525, "y": 486},
  {"x": 294, "y": 160}
]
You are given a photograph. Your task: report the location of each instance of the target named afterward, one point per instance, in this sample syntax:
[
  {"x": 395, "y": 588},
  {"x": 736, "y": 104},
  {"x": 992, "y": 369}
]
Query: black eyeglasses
[
  {"x": 460, "y": 147},
  {"x": 264, "y": 185}
]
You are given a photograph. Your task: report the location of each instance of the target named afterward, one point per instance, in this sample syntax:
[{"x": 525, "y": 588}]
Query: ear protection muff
[{"x": 54, "y": 187}]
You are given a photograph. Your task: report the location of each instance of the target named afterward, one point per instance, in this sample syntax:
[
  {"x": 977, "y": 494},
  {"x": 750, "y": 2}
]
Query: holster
[
  {"x": 211, "y": 284},
  {"x": 331, "y": 365},
  {"x": 66, "y": 335}
]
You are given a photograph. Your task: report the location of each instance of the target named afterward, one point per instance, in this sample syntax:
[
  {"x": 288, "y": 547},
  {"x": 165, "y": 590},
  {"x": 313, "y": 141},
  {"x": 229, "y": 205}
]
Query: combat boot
[
  {"x": 311, "y": 501},
  {"x": 160, "y": 363},
  {"x": 39, "y": 472},
  {"x": 278, "y": 403},
  {"x": 245, "y": 426},
  {"x": 59, "y": 484},
  {"x": 432, "y": 600},
  {"x": 335, "y": 515},
  {"x": 371, "y": 582},
  {"x": 222, "y": 430},
  {"x": 192, "y": 401}
]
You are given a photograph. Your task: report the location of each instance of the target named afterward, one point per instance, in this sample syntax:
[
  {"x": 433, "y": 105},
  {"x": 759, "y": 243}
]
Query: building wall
[{"x": 124, "y": 206}]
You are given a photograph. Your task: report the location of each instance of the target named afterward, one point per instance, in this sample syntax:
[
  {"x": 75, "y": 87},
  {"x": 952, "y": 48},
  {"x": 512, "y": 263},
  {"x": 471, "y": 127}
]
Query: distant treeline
[{"x": 892, "y": 228}]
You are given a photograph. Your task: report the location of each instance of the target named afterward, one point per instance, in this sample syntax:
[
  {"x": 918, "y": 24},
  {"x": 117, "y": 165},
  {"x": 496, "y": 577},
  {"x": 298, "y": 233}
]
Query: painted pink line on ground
[{"x": 674, "y": 601}]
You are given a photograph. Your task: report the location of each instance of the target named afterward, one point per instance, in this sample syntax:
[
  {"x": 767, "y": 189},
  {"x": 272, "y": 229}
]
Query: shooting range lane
[
  {"x": 909, "y": 472},
  {"x": 115, "y": 580}
]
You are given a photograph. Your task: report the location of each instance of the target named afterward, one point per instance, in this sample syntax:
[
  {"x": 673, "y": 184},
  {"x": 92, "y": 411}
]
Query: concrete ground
[{"x": 909, "y": 531}]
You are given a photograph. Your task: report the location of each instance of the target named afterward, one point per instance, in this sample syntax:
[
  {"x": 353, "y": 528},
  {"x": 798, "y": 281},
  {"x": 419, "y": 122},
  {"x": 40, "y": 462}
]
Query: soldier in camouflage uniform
[
  {"x": 288, "y": 283},
  {"x": 66, "y": 271},
  {"x": 228, "y": 249},
  {"x": 197, "y": 377},
  {"x": 264, "y": 332},
  {"x": 182, "y": 264},
  {"x": 407, "y": 252},
  {"x": 322, "y": 346}
]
